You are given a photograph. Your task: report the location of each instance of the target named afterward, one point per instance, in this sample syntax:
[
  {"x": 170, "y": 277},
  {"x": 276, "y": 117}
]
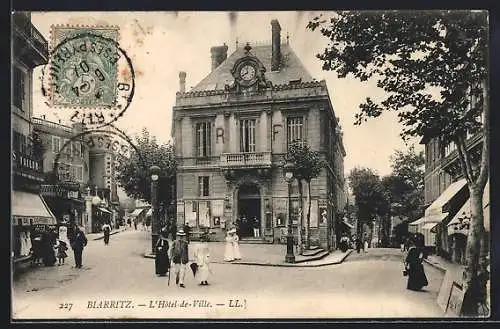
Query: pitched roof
[{"x": 291, "y": 68}]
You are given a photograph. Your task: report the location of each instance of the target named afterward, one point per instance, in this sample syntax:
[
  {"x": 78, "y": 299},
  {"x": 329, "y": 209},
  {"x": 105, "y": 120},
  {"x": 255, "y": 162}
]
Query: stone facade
[{"x": 231, "y": 138}]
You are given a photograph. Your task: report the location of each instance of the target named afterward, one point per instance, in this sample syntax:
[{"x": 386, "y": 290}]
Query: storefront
[
  {"x": 458, "y": 228},
  {"x": 30, "y": 214},
  {"x": 440, "y": 213},
  {"x": 100, "y": 216}
]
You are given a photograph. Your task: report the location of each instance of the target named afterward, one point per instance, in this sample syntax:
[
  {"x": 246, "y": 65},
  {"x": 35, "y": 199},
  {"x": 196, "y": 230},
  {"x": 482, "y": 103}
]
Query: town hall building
[{"x": 231, "y": 134}]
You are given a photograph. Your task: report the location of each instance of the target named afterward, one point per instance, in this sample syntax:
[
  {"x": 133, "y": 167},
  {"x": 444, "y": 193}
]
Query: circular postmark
[
  {"x": 89, "y": 74},
  {"x": 80, "y": 155}
]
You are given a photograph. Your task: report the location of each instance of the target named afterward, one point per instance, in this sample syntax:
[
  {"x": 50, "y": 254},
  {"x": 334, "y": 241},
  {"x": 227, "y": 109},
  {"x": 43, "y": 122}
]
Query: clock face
[{"x": 247, "y": 72}]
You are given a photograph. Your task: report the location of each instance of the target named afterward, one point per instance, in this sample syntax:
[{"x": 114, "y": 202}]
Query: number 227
[{"x": 67, "y": 306}]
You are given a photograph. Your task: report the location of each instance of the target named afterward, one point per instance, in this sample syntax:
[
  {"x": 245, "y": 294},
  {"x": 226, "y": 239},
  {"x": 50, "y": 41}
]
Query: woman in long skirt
[
  {"x": 415, "y": 269},
  {"x": 236, "y": 245},
  {"x": 202, "y": 256},
  {"x": 162, "y": 262},
  {"x": 229, "y": 252}
]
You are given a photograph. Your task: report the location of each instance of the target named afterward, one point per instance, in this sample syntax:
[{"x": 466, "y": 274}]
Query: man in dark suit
[
  {"x": 79, "y": 242},
  {"x": 180, "y": 257}
]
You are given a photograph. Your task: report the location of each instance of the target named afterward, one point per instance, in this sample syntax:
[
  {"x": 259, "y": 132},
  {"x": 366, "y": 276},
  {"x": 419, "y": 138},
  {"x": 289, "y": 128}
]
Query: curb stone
[
  {"x": 148, "y": 255},
  {"x": 435, "y": 265}
]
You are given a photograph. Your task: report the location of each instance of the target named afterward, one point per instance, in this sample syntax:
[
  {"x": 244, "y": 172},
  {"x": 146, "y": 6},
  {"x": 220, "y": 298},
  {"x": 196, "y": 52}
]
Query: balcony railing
[
  {"x": 46, "y": 123},
  {"x": 250, "y": 159},
  {"x": 25, "y": 28}
]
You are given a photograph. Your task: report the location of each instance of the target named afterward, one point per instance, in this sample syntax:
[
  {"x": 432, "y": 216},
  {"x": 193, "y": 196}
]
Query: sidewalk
[
  {"x": 100, "y": 235},
  {"x": 264, "y": 255},
  {"x": 452, "y": 272}
]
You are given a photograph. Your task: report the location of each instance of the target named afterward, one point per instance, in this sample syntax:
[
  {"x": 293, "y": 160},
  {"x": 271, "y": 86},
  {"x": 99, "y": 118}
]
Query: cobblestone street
[{"x": 364, "y": 285}]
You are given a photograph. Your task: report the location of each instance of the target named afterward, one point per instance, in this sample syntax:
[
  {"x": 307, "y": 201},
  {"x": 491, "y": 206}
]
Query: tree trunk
[
  {"x": 308, "y": 223},
  {"x": 300, "y": 221},
  {"x": 475, "y": 272}
]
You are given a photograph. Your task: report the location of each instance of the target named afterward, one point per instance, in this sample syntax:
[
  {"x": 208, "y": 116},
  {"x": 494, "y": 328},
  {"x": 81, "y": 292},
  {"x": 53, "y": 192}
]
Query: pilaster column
[{"x": 87, "y": 225}]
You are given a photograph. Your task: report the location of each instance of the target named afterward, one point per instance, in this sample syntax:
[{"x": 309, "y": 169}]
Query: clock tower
[{"x": 249, "y": 73}]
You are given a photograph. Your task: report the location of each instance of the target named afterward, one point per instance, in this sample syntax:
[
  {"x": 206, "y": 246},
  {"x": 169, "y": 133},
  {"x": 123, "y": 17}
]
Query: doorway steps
[{"x": 313, "y": 253}]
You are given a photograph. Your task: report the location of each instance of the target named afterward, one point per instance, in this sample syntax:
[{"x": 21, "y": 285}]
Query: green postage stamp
[{"x": 83, "y": 66}]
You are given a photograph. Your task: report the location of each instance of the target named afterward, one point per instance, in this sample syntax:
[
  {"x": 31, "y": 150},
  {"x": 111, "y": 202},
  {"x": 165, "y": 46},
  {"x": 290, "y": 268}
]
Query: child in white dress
[{"x": 202, "y": 257}]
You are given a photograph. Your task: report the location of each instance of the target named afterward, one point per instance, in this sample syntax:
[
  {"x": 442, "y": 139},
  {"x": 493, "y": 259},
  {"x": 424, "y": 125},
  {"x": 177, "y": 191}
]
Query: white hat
[{"x": 181, "y": 232}]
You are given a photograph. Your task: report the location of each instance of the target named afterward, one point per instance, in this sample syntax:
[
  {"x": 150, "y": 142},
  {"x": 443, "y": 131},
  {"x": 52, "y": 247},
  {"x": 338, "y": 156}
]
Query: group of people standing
[
  {"x": 176, "y": 258},
  {"x": 50, "y": 247}
]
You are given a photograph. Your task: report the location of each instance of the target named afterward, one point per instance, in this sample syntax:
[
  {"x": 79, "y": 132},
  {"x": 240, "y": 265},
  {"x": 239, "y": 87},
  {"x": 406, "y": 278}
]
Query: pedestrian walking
[
  {"x": 229, "y": 251},
  {"x": 236, "y": 245},
  {"x": 187, "y": 230},
  {"x": 162, "y": 261},
  {"x": 202, "y": 257},
  {"x": 106, "y": 229},
  {"x": 414, "y": 268},
  {"x": 61, "y": 248},
  {"x": 135, "y": 223},
  {"x": 129, "y": 222},
  {"x": 180, "y": 257},
  {"x": 256, "y": 228},
  {"x": 78, "y": 244}
]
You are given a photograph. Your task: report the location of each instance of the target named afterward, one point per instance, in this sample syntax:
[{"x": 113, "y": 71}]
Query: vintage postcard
[{"x": 250, "y": 165}]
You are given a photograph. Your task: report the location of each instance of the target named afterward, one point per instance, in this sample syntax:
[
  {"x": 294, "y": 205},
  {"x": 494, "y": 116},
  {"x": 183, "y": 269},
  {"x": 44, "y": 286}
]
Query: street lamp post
[
  {"x": 290, "y": 257},
  {"x": 155, "y": 171}
]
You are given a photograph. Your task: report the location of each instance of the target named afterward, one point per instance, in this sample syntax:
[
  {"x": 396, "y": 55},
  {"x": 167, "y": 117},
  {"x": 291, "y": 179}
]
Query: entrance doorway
[{"x": 248, "y": 210}]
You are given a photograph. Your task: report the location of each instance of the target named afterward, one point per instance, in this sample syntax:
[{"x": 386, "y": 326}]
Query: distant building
[
  {"x": 232, "y": 131},
  {"x": 64, "y": 191}
]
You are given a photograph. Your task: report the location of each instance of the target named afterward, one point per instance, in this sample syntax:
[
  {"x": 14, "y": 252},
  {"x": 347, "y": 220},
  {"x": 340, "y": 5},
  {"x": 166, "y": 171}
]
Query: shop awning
[
  {"x": 150, "y": 212},
  {"x": 429, "y": 226},
  {"x": 104, "y": 210},
  {"x": 31, "y": 207},
  {"x": 137, "y": 212},
  {"x": 436, "y": 208},
  {"x": 418, "y": 221},
  {"x": 463, "y": 215}
]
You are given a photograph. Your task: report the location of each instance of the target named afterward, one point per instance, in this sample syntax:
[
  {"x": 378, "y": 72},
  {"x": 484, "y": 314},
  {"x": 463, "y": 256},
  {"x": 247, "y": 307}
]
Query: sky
[{"x": 161, "y": 44}]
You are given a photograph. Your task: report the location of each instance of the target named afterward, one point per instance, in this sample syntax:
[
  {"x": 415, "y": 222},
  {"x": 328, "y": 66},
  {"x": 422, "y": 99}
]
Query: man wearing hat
[{"x": 180, "y": 257}]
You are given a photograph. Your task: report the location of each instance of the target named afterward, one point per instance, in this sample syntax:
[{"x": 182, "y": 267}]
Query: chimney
[
  {"x": 276, "y": 45},
  {"x": 182, "y": 82},
  {"x": 219, "y": 55}
]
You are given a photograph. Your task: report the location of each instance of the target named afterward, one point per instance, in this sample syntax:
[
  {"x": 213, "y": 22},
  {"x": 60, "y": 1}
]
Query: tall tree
[
  {"x": 134, "y": 175},
  {"x": 368, "y": 193},
  {"x": 434, "y": 67},
  {"x": 308, "y": 165},
  {"x": 405, "y": 185}
]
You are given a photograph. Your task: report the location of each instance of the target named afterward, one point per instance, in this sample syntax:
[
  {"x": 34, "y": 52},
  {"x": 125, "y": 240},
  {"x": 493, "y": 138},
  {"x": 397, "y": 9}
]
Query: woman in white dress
[
  {"x": 236, "y": 245},
  {"x": 202, "y": 257},
  {"x": 229, "y": 252}
]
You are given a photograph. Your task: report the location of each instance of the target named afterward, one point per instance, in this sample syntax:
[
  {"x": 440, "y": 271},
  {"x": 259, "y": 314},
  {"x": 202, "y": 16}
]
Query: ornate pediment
[{"x": 257, "y": 176}]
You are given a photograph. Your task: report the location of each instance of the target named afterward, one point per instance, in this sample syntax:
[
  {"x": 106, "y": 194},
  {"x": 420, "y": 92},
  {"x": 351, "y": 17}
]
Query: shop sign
[
  {"x": 72, "y": 195},
  {"x": 40, "y": 220}
]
